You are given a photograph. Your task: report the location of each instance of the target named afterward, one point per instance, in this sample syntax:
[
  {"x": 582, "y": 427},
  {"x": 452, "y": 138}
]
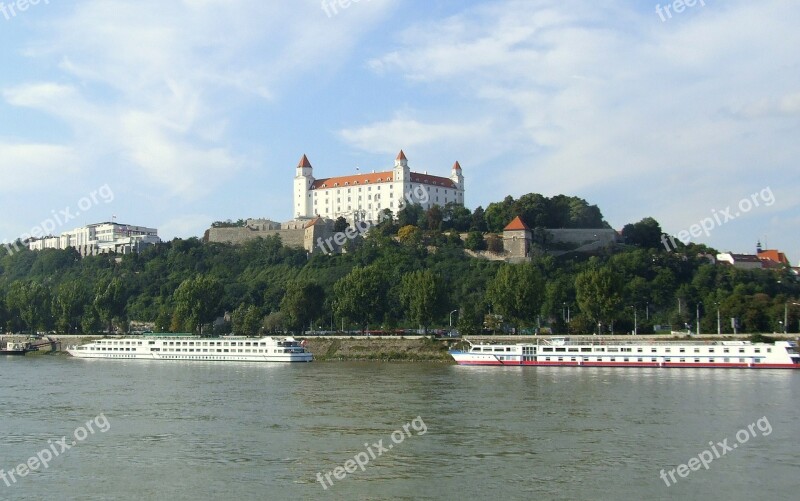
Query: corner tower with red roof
[
  {"x": 517, "y": 239},
  {"x": 365, "y": 197}
]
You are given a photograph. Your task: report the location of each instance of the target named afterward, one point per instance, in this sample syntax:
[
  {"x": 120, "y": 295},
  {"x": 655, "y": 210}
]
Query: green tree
[
  {"x": 68, "y": 304},
  {"x": 599, "y": 294},
  {"x": 361, "y": 295},
  {"x": 517, "y": 292},
  {"x": 423, "y": 295},
  {"x": 646, "y": 233},
  {"x": 475, "y": 241},
  {"x": 302, "y": 303},
  {"x": 109, "y": 301},
  {"x": 197, "y": 301},
  {"x": 31, "y": 302},
  {"x": 340, "y": 224},
  {"x": 247, "y": 320}
]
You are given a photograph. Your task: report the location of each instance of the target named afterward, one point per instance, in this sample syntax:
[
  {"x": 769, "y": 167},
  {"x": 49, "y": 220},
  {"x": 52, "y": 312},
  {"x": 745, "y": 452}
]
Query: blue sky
[{"x": 198, "y": 110}]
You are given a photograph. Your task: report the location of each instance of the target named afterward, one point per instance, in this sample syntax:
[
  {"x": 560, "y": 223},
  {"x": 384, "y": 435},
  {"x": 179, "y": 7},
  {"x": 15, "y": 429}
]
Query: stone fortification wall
[{"x": 237, "y": 236}]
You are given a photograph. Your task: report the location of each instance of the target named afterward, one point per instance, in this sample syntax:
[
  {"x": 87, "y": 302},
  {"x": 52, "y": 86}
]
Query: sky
[{"x": 193, "y": 111}]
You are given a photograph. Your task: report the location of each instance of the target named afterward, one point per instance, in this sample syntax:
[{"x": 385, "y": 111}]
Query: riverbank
[{"x": 422, "y": 349}]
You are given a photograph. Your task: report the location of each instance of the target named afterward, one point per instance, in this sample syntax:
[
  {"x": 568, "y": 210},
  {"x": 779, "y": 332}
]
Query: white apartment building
[
  {"x": 100, "y": 238},
  {"x": 362, "y": 197}
]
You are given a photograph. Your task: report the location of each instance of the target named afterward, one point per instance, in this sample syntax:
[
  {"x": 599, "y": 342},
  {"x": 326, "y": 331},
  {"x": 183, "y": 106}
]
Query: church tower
[{"x": 303, "y": 180}]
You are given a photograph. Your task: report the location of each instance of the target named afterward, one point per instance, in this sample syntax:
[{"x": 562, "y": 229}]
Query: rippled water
[{"x": 257, "y": 431}]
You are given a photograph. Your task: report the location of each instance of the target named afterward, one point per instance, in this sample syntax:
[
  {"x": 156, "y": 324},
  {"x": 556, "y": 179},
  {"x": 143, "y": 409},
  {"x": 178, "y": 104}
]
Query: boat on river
[
  {"x": 562, "y": 352},
  {"x": 194, "y": 348}
]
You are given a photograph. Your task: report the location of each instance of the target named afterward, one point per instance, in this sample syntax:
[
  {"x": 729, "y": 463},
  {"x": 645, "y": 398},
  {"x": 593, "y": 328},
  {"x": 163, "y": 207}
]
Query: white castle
[{"x": 363, "y": 197}]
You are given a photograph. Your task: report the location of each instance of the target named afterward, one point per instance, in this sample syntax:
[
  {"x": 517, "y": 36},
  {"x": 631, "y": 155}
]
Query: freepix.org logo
[{"x": 11, "y": 9}]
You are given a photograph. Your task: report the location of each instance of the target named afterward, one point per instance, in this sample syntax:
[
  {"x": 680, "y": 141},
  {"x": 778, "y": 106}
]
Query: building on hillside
[
  {"x": 100, "y": 238},
  {"x": 363, "y": 197},
  {"x": 773, "y": 259},
  {"x": 742, "y": 261},
  {"x": 517, "y": 239}
]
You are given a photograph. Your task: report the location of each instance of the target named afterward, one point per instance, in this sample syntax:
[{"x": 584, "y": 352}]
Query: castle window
[
  {"x": 346, "y": 183},
  {"x": 336, "y": 184}
]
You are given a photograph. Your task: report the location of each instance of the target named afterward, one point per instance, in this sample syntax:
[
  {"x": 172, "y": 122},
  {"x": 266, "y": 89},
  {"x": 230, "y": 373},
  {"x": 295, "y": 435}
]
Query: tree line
[{"x": 410, "y": 272}]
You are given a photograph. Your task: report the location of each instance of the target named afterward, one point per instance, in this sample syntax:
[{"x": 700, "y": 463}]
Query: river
[{"x": 197, "y": 430}]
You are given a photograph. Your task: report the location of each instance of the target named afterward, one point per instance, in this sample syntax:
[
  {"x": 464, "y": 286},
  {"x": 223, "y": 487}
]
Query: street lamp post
[
  {"x": 698, "y": 318},
  {"x": 451, "y": 319},
  {"x": 785, "y": 317},
  {"x": 719, "y": 327},
  {"x": 635, "y": 321}
]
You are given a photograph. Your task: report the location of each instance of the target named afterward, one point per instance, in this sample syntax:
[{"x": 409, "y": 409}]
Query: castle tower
[
  {"x": 401, "y": 171},
  {"x": 457, "y": 176},
  {"x": 517, "y": 238},
  {"x": 303, "y": 180}
]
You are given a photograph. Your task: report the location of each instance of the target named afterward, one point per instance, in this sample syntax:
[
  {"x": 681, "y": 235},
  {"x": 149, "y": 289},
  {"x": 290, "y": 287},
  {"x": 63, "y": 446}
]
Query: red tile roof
[
  {"x": 379, "y": 177},
  {"x": 354, "y": 180},
  {"x": 434, "y": 180},
  {"x": 456, "y": 166},
  {"x": 773, "y": 255},
  {"x": 516, "y": 225},
  {"x": 401, "y": 156},
  {"x": 304, "y": 162}
]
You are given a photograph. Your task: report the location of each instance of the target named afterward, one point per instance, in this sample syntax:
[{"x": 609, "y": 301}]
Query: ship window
[
  {"x": 572, "y": 350},
  {"x": 638, "y": 350},
  {"x": 560, "y": 359},
  {"x": 758, "y": 350},
  {"x": 559, "y": 350},
  {"x": 711, "y": 350},
  {"x": 726, "y": 350},
  {"x": 549, "y": 350},
  {"x": 697, "y": 360},
  {"x": 640, "y": 360},
  {"x": 668, "y": 350},
  {"x": 682, "y": 360},
  {"x": 653, "y": 350},
  {"x": 682, "y": 350},
  {"x": 769, "y": 350},
  {"x": 625, "y": 359},
  {"x": 586, "y": 350},
  {"x": 742, "y": 360},
  {"x": 697, "y": 350},
  {"x": 654, "y": 360}
]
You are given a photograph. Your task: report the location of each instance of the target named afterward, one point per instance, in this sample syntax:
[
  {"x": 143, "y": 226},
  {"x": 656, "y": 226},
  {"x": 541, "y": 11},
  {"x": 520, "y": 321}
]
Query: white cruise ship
[
  {"x": 194, "y": 348},
  {"x": 599, "y": 353}
]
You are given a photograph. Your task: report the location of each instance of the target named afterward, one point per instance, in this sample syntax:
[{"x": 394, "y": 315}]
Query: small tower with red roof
[{"x": 517, "y": 238}]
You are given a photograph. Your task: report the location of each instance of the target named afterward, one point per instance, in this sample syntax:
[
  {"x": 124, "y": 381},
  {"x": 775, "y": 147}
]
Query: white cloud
[
  {"x": 31, "y": 166},
  {"x": 613, "y": 104}
]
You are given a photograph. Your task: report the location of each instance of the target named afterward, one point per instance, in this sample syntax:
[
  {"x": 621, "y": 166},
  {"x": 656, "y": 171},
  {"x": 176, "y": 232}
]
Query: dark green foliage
[{"x": 269, "y": 288}]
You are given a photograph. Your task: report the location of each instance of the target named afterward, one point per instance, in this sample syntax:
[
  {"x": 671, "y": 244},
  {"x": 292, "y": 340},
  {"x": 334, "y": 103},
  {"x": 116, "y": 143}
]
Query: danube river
[{"x": 183, "y": 430}]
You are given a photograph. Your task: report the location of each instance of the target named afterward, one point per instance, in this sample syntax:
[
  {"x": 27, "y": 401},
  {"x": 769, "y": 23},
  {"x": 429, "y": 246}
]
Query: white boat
[
  {"x": 692, "y": 354},
  {"x": 194, "y": 348}
]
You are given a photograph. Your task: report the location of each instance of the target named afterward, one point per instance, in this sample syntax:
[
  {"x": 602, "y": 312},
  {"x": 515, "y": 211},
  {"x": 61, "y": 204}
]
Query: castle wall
[{"x": 237, "y": 236}]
